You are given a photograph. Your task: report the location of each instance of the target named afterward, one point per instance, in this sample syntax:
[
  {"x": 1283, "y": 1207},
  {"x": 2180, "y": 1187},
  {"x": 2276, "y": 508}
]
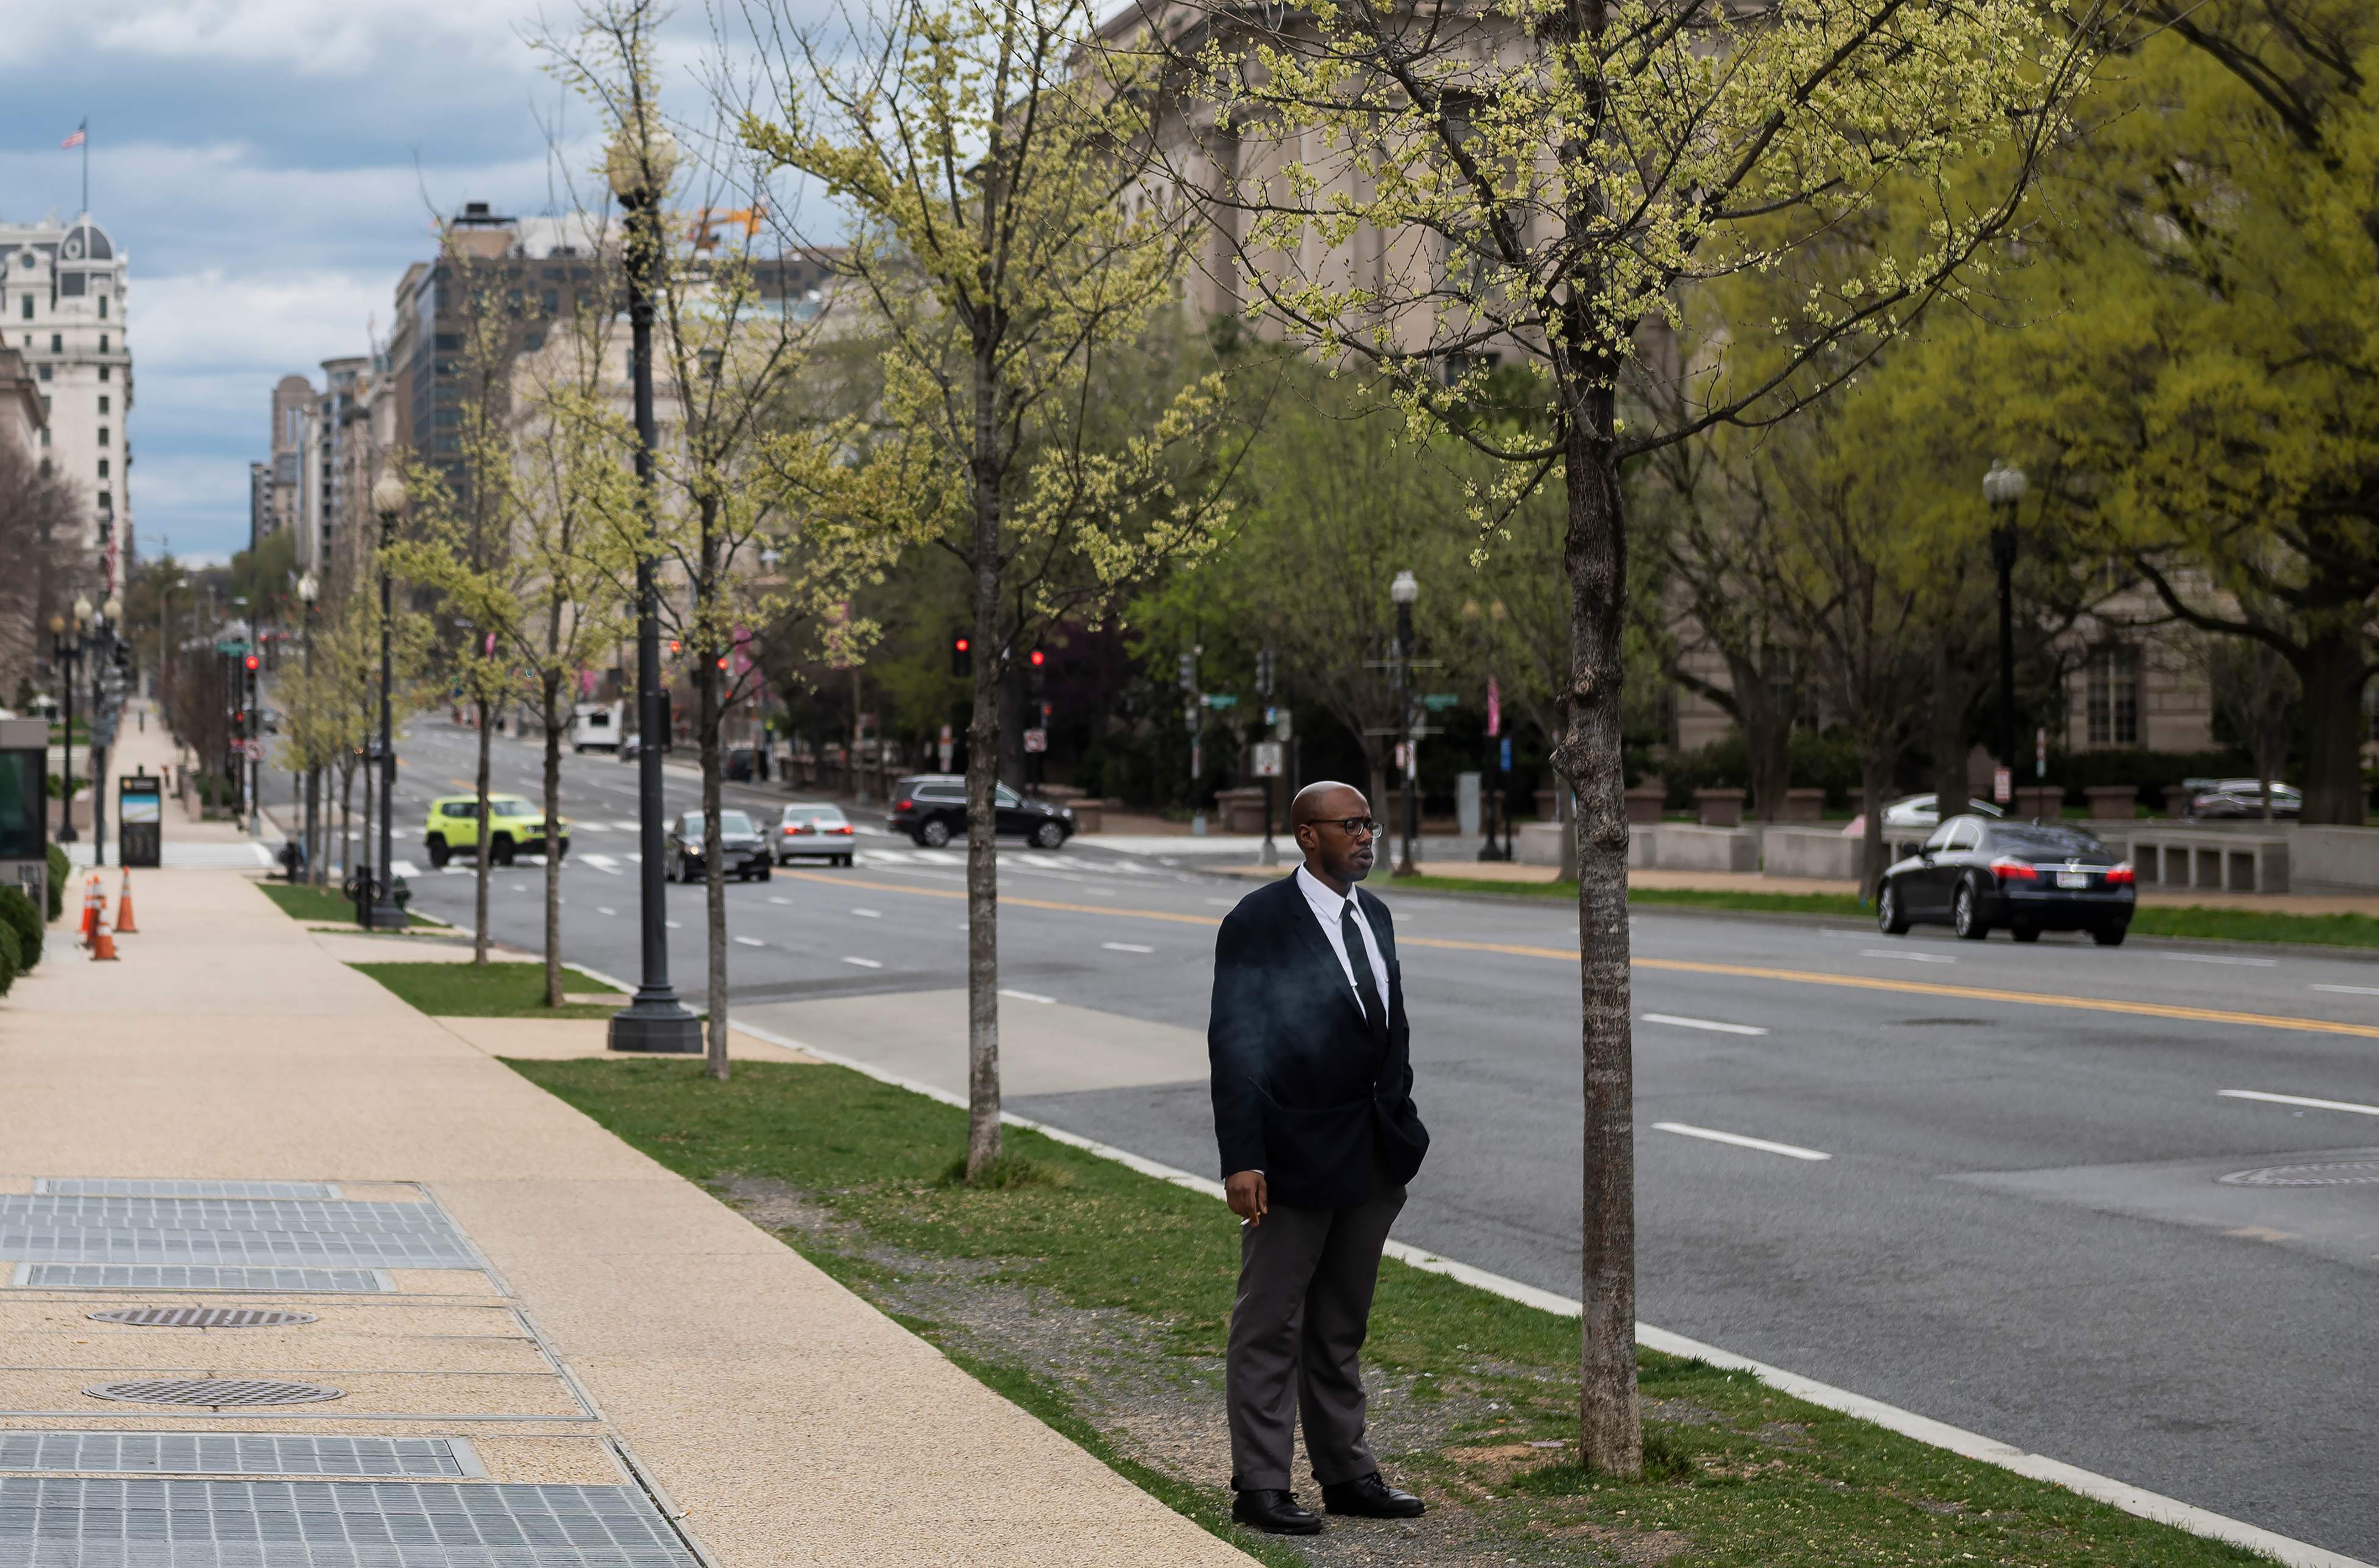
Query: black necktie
[{"x": 1358, "y": 958}]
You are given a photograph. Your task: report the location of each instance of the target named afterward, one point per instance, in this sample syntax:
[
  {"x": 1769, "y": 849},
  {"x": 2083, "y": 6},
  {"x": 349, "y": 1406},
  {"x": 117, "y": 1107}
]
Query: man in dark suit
[{"x": 1313, "y": 1112}]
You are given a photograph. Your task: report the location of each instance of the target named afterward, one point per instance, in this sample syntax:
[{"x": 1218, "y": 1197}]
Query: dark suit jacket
[{"x": 1304, "y": 1090}]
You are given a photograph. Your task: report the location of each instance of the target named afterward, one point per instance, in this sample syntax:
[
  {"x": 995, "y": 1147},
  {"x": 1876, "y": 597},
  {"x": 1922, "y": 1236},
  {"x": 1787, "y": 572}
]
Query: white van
[{"x": 596, "y": 727}]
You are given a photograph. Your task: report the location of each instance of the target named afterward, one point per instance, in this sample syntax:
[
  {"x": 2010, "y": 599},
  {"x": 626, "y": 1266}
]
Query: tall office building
[{"x": 64, "y": 305}]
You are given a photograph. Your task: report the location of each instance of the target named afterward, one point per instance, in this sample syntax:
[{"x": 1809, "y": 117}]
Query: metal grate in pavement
[
  {"x": 57, "y": 1522},
  {"x": 199, "y": 1276},
  {"x": 202, "y": 1317},
  {"x": 2324, "y": 1173},
  {"x": 234, "y": 1453},
  {"x": 47, "y": 1229},
  {"x": 215, "y": 1393},
  {"x": 115, "y": 1187}
]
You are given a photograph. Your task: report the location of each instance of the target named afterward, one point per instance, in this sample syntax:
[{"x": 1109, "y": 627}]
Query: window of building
[
  {"x": 45, "y": 434},
  {"x": 45, "y": 401},
  {"x": 2111, "y": 696},
  {"x": 103, "y": 402},
  {"x": 107, "y": 500},
  {"x": 103, "y": 468},
  {"x": 28, "y": 306},
  {"x": 43, "y": 372},
  {"x": 103, "y": 372},
  {"x": 103, "y": 342},
  {"x": 103, "y": 307},
  {"x": 102, "y": 435},
  {"x": 57, "y": 343},
  {"x": 72, "y": 282}
]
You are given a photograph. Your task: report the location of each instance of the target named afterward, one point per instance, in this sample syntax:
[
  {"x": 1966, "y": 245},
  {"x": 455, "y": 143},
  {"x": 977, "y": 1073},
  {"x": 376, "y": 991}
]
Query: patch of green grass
[
  {"x": 486, "y": 991},
  {"x": 2255, "y": 926},
  {"x": 1752, "y": 1478},
  {"x": 302, "y": 901},
  {"x": 1695, "y": 898}
]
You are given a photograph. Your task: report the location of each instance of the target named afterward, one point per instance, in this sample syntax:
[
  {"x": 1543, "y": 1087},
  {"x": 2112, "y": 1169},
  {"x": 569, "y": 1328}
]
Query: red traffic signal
[
  {"x": 251, "y": 661},
  {"x": 722, "y": 661},
  {"x": 959, "y": 645},
  {"x": 672, "y": 647},
  {"x": 1039, "y": 658}
]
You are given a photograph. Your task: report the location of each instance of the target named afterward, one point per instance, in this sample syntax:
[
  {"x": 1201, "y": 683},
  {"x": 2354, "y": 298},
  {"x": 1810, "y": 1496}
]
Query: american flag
[{"x": 80, "y": 133}]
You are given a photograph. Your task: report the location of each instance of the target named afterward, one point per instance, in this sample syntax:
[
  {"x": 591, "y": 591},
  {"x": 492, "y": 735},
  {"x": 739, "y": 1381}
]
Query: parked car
[
  {"x": 1976, "y": 874},
  {"x": 811, "y": 831},
  {"x": 519, "y": 829},
  {"x": 742, "y": 852},
  {"x": 1912, "y": 811},
  {"x": 931, "y": 809},
  {"x": 2244, "y": 797}
]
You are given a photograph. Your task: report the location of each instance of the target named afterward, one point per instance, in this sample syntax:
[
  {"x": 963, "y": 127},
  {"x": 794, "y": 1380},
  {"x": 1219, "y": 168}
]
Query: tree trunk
[
  {"x": 1767, "y": 739},
  {"x": 346, "y": 820},
  {"x": 317, "y": 846},
  {"x": 556, "y": 718},
  {"x": 983, "y": 764},
  {"x": 714, "y": 867},
  {"x": 487, "y": 842},
  {"x": 1610, "y": 1419},
  {"x": 1875, "y": 778},
  {"x": 2331, "y": 670},
  {"x": 1948, "y": 735}
]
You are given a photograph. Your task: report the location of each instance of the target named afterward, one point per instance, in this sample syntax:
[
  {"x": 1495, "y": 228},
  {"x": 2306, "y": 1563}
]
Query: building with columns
[{"x": 64, "y": 308}]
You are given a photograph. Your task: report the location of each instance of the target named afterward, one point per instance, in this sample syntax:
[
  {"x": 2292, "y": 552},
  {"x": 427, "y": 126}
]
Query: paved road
[{"x": 2018, "y": 1226}]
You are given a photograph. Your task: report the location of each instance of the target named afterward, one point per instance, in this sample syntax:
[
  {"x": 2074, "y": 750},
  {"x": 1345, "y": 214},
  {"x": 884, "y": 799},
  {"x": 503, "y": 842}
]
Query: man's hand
[{"x": 1247, "y": 1194}]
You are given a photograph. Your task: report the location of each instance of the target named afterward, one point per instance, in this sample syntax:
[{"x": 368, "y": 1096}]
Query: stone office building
[{"x": 64, "y": 294}]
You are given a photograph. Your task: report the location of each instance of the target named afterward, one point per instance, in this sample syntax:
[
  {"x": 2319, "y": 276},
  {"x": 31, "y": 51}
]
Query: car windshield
[
  {"x": 736, "y": 821},
  {"x": 825, "y": 816},
  {"x": 2044, "y": 840}
]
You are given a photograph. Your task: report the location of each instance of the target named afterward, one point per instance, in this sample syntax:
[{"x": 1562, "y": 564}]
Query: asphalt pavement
[{"x": 1979, "y": 1181}]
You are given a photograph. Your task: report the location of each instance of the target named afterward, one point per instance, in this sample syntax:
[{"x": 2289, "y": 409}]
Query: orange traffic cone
[
  {"x": 124, "y": 926},
  {"x": 102, "y": 945},
  {"x": 89, "y": 891}
]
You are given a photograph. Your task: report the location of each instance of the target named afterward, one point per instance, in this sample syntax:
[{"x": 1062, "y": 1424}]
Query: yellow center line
[{"x": 1746, "y": 971}]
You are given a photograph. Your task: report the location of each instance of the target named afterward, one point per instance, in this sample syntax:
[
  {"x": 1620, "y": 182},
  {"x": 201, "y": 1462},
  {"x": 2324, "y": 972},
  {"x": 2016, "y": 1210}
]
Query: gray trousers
[{"x": 1305, "y": 1277}]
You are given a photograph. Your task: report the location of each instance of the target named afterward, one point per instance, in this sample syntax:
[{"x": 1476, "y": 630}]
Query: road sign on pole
[
  {"x": 1036, "y": 740},
  {"x": 1268, "y": 759}
]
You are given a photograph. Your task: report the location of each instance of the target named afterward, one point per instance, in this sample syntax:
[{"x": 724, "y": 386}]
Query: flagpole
[{"x": 86, "y": 164}]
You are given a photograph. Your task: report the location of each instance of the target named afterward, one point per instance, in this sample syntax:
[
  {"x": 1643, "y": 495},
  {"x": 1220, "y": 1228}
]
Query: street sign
[
  {"x": 1507, "y": 753},
  {"x": 1267, "y": 759},
  {"x": 1438, "y": 702},
  {"x": 1036, "y": 740},
  {"x": 1221, "y": 699},
  {"x": 2003, "y": 785}
]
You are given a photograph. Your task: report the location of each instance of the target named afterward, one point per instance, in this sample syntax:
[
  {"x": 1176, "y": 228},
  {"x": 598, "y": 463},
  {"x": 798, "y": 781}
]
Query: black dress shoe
[
  {"x": 1274, "y": 1512},
  {"x": 1369, "y": 1497}
]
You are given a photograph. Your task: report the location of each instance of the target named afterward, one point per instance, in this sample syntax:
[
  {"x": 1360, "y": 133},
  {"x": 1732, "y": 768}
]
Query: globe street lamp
[
  {"x": 383, "y": 911},
  {"x": 1404, "y": 590},
  {"x": 641, "y": 159},
  {"x": 310, "y": 588},
  {"x": 2003, "y": 487}
]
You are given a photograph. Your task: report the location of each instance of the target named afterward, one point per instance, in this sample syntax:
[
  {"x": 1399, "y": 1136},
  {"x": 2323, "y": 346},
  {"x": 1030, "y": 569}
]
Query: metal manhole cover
[
  {"x": 214, "y": 1391},
  {"x": 202, "y": 1317},
  {"x": 2326, "y": 1173}
]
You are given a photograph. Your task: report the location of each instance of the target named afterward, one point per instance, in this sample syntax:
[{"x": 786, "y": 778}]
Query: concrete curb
[{"x": 2132, "y": 1499}]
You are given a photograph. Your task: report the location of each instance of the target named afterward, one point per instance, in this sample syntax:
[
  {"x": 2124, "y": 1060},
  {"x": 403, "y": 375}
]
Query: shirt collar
[{"x": 1318, "y": 894}]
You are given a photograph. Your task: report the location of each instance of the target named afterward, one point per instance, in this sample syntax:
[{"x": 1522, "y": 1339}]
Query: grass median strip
[
  {"x": 1097, "y": 1299},
  {"x": 486, "y": 990}
]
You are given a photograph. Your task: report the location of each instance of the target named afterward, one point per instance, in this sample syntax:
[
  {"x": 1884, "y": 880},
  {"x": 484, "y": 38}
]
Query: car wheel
[
  {"x": 500, "y": 852},
  {"x": 1049, "y": 836},
  {"x": 1887, "y": 917},
  {"x": 2108, "y": 935},
  {"x": 844, "y": 859},
  {"x": 440, "y": 854},
  {"x": 935, "y": 834},
  {"x": 767, "y": 872},
  {"x": 1965, "y": 918},
  {"x": 2025, "y": 932}
]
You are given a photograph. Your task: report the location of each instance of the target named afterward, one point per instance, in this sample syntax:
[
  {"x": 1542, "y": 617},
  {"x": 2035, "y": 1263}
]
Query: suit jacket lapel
[{"x": 1318, "y": 949}]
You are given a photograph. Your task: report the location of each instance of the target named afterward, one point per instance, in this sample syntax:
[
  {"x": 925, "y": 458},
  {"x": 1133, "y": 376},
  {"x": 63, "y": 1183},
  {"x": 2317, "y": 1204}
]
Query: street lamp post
[
  {"x": 102, "y": 724},
  {"x": 1404, "y": 590},
  {"x": 2003, "y": 487},
  {"x": 641, "y": 160},
  {"x": 66, "y": 652},
  {"x": 310, "y": 588},
  {"x": 388, "y": 499}
]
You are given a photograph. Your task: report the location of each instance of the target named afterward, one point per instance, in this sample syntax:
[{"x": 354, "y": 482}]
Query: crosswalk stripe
[
  {"x": 938, "y": 857},
  {"x": 629, "y": 826},
  {"x": 406, "y": 868},
  {"x": 603, "y": 864},
  {"x": 882, "y": 857}
]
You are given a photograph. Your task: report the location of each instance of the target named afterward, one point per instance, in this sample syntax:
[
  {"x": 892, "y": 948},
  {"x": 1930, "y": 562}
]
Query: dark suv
[
  {"x": 931, "y": 808},
  {"x": 742, "y": 852}
]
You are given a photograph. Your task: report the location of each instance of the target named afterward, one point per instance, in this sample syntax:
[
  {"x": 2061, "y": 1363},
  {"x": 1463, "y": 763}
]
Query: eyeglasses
[{"x": 1353, "y": 826}]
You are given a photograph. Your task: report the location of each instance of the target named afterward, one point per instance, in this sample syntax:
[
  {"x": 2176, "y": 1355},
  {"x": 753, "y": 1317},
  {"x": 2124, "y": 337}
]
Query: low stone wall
[{"x": 1820, "y": 852}]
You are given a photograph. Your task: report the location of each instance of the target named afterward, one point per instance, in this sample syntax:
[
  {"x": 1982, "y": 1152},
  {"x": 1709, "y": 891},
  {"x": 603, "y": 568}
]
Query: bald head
[{"x": 1318, "y": 816}]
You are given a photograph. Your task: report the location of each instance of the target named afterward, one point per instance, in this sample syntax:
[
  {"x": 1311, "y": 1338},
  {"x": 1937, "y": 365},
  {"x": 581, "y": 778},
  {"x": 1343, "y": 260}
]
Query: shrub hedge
[
  {"x": 61, "y": 869},
  {"x": 18, "y": 914}
]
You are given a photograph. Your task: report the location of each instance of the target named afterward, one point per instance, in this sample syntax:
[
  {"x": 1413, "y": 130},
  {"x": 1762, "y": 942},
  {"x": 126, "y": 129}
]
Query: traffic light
[
  {"x": 722, "y": 661},
  {"x": 673, "y": 647},
  {"x": 1264, "y": 672},
  {"x": 251, "y": 664},
  {"x": 961, "y": 656},
  {"x": 1039, "y": 658},
  {"x": 1189, "y": 673}
]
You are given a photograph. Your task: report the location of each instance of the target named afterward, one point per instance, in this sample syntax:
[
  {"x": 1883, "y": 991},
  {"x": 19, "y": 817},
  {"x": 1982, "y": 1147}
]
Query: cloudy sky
[{"x": 272, "y": 166}]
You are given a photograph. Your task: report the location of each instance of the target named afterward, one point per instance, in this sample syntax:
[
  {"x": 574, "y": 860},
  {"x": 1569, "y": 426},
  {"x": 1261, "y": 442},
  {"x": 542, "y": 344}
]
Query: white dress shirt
[{"x": 1327, "y": 908}]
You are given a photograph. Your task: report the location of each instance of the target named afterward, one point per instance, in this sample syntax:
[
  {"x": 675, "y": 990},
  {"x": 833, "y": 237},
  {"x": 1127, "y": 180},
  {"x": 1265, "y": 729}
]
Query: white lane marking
[
  {"x": 935, "y": 857},
  {"x": 1223, "y": 903},
  {"x": 2300, "y": 1100},
  {"x": 880, "y": 857},
  {"x": 592, "y": 827},
  {"x": 1740, "y": 1141},
  {"x": 603, "y": 864},
  {"x": 673, "y": 925},
  {"x": 863, "y": 963},
  {"x": 2352, "y": 990},
  {"x": 1047, "y": 862},
  {"x": 751, "y": 941},
  {"x": 629, "y": 826},
  {"x": 1027, "y": 996},
  {"x": 1704, "y": 1023},
  {"x": 406, "y": 868},
  {"x": 1127, "y": 948},
  {"x": 1911, "y": 958},
  {"x": 869, "y": 915},
  {"x": 776, "y": 900},
  {"x": 520, "y": 887},
  {"x": 458, "y": 871},
  {"x": 636, "y": 860},
  {"x": 605, "y": 909},
  {"x": 2211, "y": 958}
]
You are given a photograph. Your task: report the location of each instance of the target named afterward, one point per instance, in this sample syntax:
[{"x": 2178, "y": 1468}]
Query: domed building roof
[{"x": 87, "y": 242}]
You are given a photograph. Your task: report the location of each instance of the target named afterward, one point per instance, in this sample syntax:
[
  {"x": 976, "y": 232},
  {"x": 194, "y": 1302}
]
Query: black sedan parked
[
  {"x": 1974, "y": 875},
  {"x": 741, "y": 850},
  {"x": 931, "y": 809}
]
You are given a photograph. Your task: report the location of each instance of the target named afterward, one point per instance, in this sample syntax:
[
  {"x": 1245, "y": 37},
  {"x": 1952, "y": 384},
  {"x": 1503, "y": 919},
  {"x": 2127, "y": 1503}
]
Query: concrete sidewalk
[{"x": 598, "y": 1330}]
